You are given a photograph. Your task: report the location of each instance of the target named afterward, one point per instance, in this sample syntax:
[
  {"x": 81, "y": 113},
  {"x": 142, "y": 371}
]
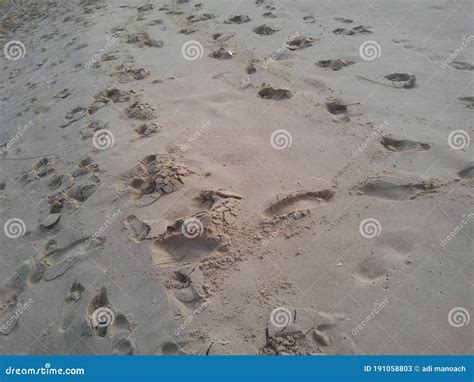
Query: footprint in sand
[
  {"x": 397, "y": 188},
  {"x": 336, "y": 107},
  {"x": 336, "y": 64},
  {"x": 189, "y": 239},
  {"x": 171, "y": 348},
  {"x": 139, "y": 110},
  {"x": 8, "y": 304},
  {"x": 459, "y": 65},
  {"x": 39, "y": 169},
  {"x": 193, "y": 238},
  {"x": 404, "y": 80},
  {"x": 344, "y": 20},
  {"x": 142, "y": 39},
  {"x": 467, "y": 172},
  {"x": 187, "y": 285},
  {"x": 74, "y": 115},
  {"x": 300, "y": 42},
  {"x": 394, "y": 249},
  {"x": 187, "y": 31},
  {"x": 147, "y": 129},
  {"x": 155, "y": 175},
  {"x": 57, "y": 261},
  {"x": 269, "y": 15},
  {"x": 299, "y": 331},
  {"x": 202, "y": 17},
  {"x": 138, "y": 230},
  {"x": 298, "y": 201},
  {"x": 88, "y": 131},
  {"x": 75, "y": 293},
  {"x": 469, "y": 101},
  {"x": 268, "y": 92},
  {"x": 75, "y": 188},
  {"x": 237, "y": 19},
  {"x": 105, "y": 321},
  {"x": 222, "y": 54},
  {"x": 222, "y": 37},
  {"x": 339, "y": 110},
  {"x": 106, "y": 96},
  {"x": 392, "y": 144},
  {"x": 265, "y": 30},
  {"x": 131, "y": 74},
  {"x": 309, "y": 19},
  {"x": 29, "y": 273},
  {"x": 361, "y": 29}
]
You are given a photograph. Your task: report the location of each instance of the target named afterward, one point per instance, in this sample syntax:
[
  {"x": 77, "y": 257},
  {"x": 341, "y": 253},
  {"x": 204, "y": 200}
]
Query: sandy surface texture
[{"x": 236, "y": 177}]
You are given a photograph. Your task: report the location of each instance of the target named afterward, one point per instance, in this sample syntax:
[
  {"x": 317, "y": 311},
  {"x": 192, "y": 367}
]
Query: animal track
[{"x": 403, "y": 144}]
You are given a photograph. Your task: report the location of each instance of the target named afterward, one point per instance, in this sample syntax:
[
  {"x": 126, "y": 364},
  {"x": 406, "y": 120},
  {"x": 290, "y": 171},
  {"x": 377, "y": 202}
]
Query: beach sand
[{"x": 223, "y": 177}]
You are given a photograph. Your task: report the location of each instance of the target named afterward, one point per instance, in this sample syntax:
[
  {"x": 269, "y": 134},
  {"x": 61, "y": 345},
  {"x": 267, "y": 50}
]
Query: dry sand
[{"x": 236, "y": 177}]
